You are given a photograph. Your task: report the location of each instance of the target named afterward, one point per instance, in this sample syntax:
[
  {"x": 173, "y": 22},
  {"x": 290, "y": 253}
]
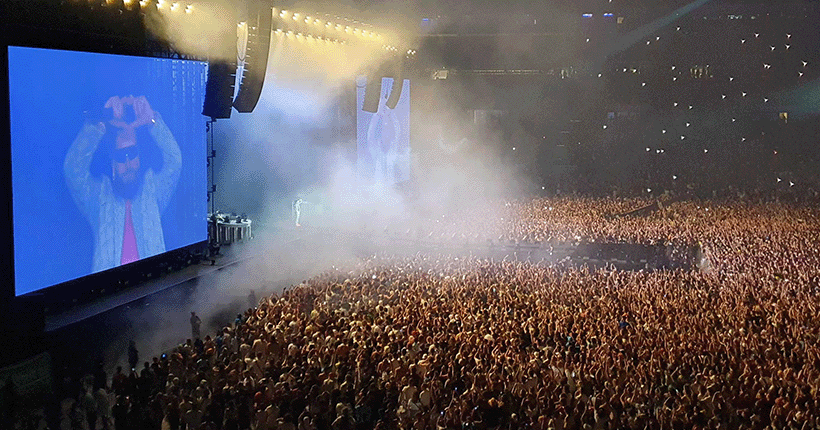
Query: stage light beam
[{"x": 642, "y": 33}]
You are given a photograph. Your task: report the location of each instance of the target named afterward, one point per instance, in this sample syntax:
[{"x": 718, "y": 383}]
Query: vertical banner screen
[{"x": 383, "y": 138}]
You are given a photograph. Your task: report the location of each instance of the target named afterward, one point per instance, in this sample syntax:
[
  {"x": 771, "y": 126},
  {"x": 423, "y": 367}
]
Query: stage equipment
[
  {"x": 226, "y": 229},
  {"x": 256, "y": 60},
  {"x": 219, "y": 89}
]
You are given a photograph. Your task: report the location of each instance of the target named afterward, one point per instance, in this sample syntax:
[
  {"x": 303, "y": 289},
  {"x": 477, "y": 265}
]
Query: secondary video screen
[
  {"x": 108, "y": 161},
  {"x": 383, "y": 138}
]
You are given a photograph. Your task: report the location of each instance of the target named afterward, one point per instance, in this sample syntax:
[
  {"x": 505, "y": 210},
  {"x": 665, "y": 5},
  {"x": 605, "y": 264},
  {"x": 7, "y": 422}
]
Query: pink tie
[{"x": 129, "y": 240}]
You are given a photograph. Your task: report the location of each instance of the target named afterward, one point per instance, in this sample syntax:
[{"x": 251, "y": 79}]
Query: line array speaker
[
  {"x": 256, "y": 61},
  {"x": 219, "y": 89}
]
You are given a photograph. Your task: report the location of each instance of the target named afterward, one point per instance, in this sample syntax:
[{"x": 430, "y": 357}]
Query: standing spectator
[
  {"x": 89, "y": 405},
  {"x": 118, "y": 381},
  {"x": 103, "y": 407},
  {"x": 119, "y": 412},
  {"x": 133, "y": 355},
  {"x": 253, "y": 301},
  {"x": 100, "y": 377},
  {"x": 196, "y": 323}
]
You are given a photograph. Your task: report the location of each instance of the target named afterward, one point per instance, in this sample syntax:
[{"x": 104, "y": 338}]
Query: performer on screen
[
  {"x": 383, "y": 134},
  {"x": 124, "y": 209}
]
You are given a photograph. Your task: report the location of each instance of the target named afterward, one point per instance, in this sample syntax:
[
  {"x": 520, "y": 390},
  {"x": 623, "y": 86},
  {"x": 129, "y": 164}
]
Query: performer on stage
[{"x": 296, "y": 211}]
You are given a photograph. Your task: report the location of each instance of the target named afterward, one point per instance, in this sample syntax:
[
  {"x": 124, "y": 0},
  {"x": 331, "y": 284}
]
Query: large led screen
[
  {"x": 383, "y": 138},
  {"x": 108, "y": 161}
]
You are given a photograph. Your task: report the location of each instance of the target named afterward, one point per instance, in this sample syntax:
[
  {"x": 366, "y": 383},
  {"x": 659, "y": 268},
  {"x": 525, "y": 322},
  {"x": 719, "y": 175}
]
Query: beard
[{"x": 128, "y": 190}]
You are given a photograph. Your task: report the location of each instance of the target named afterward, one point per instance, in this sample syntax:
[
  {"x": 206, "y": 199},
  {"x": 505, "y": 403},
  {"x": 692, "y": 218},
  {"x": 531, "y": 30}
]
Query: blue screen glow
[{"x": 108, "y": 161}]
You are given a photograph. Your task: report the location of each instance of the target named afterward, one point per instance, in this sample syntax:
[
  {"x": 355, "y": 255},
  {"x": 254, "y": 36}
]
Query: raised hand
[
  {"x": 143, "y": 112},
  {"x": 117, "y": 105}
]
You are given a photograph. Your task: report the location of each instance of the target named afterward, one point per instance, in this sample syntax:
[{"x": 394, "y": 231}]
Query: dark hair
[{"x": 150, "y": 154}]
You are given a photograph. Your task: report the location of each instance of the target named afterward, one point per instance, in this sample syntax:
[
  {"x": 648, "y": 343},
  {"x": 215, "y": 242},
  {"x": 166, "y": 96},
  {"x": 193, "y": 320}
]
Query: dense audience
[{"x": 452, "y": 341}]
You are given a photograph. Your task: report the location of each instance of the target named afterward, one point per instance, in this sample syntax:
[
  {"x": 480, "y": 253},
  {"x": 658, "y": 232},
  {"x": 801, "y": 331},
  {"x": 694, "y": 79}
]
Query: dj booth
[{"x": 225, "y": 229}]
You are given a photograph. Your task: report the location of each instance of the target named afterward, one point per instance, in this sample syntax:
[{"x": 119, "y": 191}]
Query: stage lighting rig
[{"x": 324, "y": 27}]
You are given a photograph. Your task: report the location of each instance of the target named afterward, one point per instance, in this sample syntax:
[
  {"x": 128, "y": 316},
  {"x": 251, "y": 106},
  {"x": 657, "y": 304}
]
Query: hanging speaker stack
[
  {"x": 256, "y": 60},
  {"x": 219, "y": 89}
]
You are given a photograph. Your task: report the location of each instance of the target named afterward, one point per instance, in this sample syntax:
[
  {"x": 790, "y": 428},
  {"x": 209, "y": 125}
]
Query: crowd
[{"x": 459, "y": 342}]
